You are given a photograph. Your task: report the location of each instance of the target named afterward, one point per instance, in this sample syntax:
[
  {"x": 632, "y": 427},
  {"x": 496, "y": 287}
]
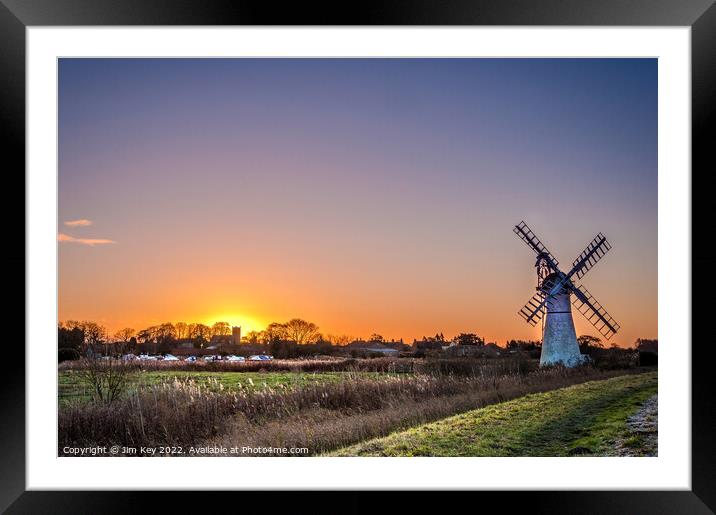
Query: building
[{"x": 220, "y": 340}]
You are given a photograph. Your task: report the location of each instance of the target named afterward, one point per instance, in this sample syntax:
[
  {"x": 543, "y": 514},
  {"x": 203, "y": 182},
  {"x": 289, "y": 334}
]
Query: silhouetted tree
[
  {"x": 123, "y": 341},
  {"x": 646, "y": 345},
  {"x": 469, "y": 339},
  {"x": 94, "y": 333},
  {"x": 200, "y": 331},
  {"x": 301, "y": 331},
  {"x": 274, "y": 332},
  {"x": 182, "y": 329},
  {"x": 146, "y": 336},
  {"x": 221, "y": 329},
  {"x": 166, "y": 332},
  {"x": 69, "y": 342},
  {"x": 586, "y": 341},
  {"x": 124, "y": 335},
  {"x": 71, "y": 324},
  {"x": 251, "y": 337},
  {"x": 376, "y": 338},
  {"x": 341, "y": 339},
  {"x": 648, "y": 350},
  {"x": 523, "y": 345}
]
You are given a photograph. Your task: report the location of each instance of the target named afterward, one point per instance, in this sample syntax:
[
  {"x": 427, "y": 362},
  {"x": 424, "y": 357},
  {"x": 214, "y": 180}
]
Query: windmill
[{"x": 554, "y": 292}]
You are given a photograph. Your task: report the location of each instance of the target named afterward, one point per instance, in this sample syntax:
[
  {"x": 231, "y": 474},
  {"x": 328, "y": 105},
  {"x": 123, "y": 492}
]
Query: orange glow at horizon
[
  {"x": 498, "y": 324},
  {"x": 246, "y": 323}
]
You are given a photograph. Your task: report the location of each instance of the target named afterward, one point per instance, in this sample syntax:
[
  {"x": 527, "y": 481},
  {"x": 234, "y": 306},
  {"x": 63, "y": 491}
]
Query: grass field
[
  {"x": 72, "y": 388},
  {"x": 582, "y": 420}
]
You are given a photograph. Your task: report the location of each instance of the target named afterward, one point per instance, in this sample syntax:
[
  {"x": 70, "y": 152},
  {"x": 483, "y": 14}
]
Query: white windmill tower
[{"x": 554, "y": 292}]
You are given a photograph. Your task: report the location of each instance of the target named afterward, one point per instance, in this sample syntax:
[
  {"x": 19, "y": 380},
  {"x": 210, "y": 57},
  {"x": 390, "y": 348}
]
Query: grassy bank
[{"x": 585, "y": 419}]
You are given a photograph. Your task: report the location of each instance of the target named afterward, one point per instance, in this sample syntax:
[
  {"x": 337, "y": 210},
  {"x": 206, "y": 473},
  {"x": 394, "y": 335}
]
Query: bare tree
[
  {"x": 94, "y": 333},
  {"x": 71, "y": 324},
  {"x": 274, "y": 332},
  {"x": 252, "y": 337},
  {"x": 339, "y": 339},
  {"x": 124, "y": 335},
  {"x": 182, "y": 329},
  {"x": 166, "y": 332},
  {"x": 146, "y": 335},
  {"x": 301, "y": 331},
  {"x": 221, "y": 329},
  {"x": 200, "y": 332},
  {"x": 107, "y": 377}
]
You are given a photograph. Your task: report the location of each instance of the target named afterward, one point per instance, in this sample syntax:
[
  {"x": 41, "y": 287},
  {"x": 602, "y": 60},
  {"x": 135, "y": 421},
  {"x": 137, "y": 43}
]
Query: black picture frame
[{"x": 699, "y": 15}]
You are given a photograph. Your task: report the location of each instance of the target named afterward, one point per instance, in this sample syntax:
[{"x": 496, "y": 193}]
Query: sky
[{"x": 365, "y": 195}]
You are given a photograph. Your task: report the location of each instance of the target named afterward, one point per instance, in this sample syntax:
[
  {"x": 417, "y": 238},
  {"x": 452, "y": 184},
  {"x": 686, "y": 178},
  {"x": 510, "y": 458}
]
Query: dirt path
[{"x": 642, "y": 437}]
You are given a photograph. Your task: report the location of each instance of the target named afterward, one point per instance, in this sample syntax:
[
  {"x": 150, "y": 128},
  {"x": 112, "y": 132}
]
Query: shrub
[
  {"x": 648, "y": 359},
  {"x": 106, "y": 378},
  {"x": 613, "y": 358},
  {"x": 67, "y": 354}
]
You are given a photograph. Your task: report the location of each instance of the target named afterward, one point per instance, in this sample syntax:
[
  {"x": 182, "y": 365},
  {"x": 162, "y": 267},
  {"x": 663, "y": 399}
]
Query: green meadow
[
  {"x": 73, "y": 388},
  {"x": 582, "y": 420}
]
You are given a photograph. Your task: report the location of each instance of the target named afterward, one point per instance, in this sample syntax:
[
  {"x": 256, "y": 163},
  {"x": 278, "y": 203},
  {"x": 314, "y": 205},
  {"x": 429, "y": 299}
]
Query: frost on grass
[{"x": 642, "y": 431}]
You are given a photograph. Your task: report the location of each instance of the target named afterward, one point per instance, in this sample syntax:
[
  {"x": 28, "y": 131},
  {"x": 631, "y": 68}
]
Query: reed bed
[{"x": 443, "y": 366}]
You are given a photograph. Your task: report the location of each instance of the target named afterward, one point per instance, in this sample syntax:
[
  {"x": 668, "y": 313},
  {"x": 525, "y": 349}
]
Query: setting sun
[{"x": 246, "y": 323}]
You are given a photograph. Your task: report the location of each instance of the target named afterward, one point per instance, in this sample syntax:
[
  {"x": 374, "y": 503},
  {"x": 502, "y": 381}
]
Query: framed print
[{"x": 414, "y": 249}]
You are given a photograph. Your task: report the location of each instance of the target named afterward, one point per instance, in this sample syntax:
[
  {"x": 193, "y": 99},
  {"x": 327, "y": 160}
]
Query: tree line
[
  {"x": 80, "y": 335},
  {"x": 75, "y": 337},
  {"x": 296, "y": 330}
]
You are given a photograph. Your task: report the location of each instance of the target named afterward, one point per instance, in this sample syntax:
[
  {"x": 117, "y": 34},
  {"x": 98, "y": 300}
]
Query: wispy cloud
[
  {"x": 82, "y": 222},
  {"x": 66, "y": 238}
]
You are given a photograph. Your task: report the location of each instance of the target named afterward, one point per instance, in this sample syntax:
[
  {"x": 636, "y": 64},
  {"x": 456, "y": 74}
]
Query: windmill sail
[
  {"x": 593, "y": 311},
  {"x": 530, "y": 238},
  {"x": 591, "y": 255},
  {"x": 534, "y": 310}
]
